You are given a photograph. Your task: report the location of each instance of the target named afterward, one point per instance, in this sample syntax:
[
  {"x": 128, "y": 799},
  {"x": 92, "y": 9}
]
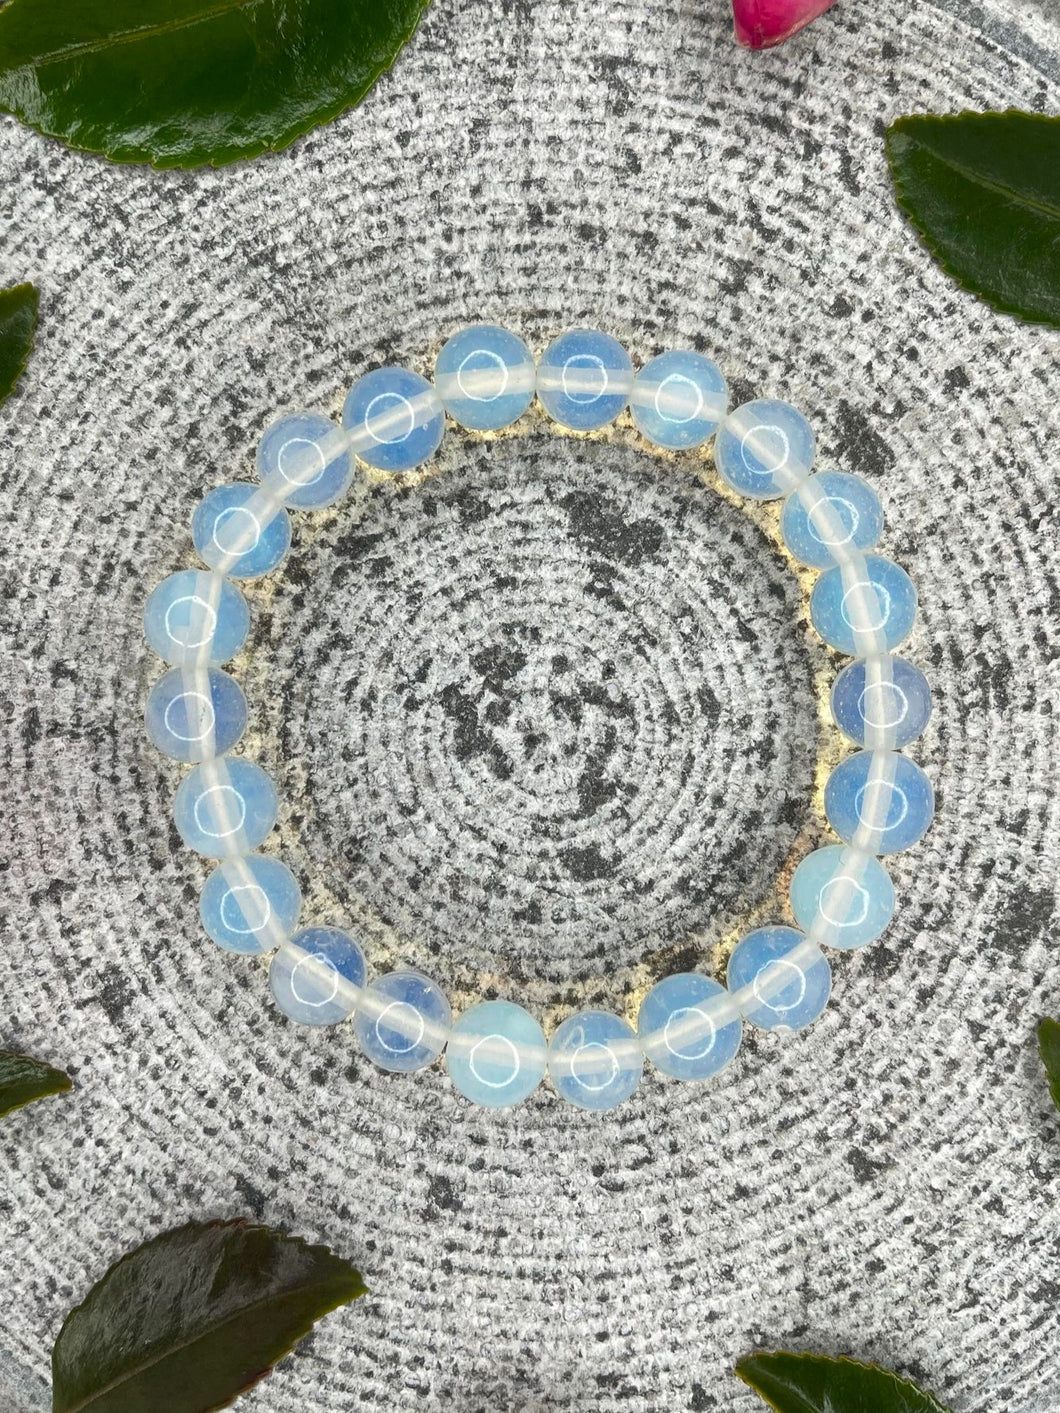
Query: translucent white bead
[
  {"x": 395, "y": 419},
  {"x": 225, "y": 807},
  {"x": 584, "y": 379},
  {"x": 595, "y": 1060},
  {"x": 882, "y": 703},
  {"x": 830, "y": 515},
  {"x": 304, "y": 459},
  {"x": 842, "y": 897},
  {"x": 250, "y": 905},
  {"x": 195, "y": 713},
  {"x": 196, "y": 619},
  {"x": 317, "y": 977},
  {"x": 678, "y": 399},
  {"x": 764, "y": 449},
  {"x": 241, "y": 531},
  {"x": 497, "y": 1054},
  {"x": 689, "y": 1027},
  {"x": 879, "y": 801},
  {"x": 402, "y": 1021},
  {"x": 779, "y": 978},
  {"x": 865, "y": 606}
]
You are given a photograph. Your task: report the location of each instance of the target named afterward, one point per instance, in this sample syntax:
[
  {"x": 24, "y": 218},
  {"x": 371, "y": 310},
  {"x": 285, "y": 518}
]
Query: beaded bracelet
[{"x": 863, "y": 605}]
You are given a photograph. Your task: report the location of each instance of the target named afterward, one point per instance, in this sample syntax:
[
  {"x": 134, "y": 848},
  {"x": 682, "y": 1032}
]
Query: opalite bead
[
  {"x": 678, "y": 400},
  {"x": 395, "y": 418},
  {"x": 864, "y": 607},
  {"x": 305, "y": 461},
  {"x": 402, "y": 1021},
  {"x": 195, "y": 713},
  {"x": 842, "y": 897},
  {"x": 789, "y": 978},
  {"x": 584, "y": 379},
  {"x": 250, "y": 905},
  {"x": 688, "y": 1026},
  {"x": 485, "y": 377},
  {"x": 595, "y": 1060},
  {"x": 879, "y": 801},
  {"x": 196, "y": 619},
  {"x": 828, "y": 516},
  {"x": 497, "y": 1054},
  {"x": 241, "y": 531},
  {"x": 882, "y": 703},
  {"x": 764, "y": 449},
  {"x": 317, "y": 977},
  {"x": 225, "y": 807}
]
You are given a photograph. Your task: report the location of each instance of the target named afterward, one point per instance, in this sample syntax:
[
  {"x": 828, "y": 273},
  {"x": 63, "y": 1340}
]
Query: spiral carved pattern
[{"x": 886, "y": 1185}]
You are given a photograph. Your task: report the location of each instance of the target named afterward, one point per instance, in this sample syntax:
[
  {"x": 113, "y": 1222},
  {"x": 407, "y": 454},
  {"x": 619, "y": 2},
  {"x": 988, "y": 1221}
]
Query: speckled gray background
[{"x": 541, "y": 719}]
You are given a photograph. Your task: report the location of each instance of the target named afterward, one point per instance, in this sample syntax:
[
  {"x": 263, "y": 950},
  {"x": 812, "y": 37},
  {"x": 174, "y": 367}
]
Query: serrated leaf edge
[
  {"x": 232, "y": 1224},
  {"x": 808, "y": 1356},
  {"x": 937, "y": 253}
]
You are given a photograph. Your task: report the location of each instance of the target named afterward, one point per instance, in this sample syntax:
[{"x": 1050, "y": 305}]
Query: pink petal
[{"x": 762, "y": 23}]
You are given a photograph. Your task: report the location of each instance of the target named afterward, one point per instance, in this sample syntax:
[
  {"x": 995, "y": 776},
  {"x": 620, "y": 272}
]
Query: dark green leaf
[
  {"x": 814, "y": 1383},
  {"x": 18, "y": 322},
  {"x": 1049, "y": 1049},
  {"x": 183, "y": 83},
  {"x": 983, "y": 190},
  {"x": 23, "y": 1080},
  {"x": 193, "y": 1318}
]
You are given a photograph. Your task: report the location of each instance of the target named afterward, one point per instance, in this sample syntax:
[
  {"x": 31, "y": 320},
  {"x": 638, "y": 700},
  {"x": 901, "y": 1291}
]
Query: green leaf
[
  {"x": 193, "y": 1318},
  {"x": 183, "y": 83},
  {"x": 1049, "y": 1049},
  {"x": 22, "y": 1081},
  {"x": 983, "y": 190},
  {"x": 18, "y": 323},
  {"x": 814, "y": 1383}
]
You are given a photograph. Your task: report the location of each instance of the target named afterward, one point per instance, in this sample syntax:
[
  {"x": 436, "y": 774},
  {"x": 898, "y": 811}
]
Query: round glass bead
[
  {"x": 595, "y": 1060},
  {"x": 240, "y": 531},
  {"x": 879, "y": 801},
  {"x": 304, "y": 459},
  {"x": 225, "y": 807},
  {"x": 395, "y": 417},
  {"x": 678, "y": 400},
  {"x": 196, "y": 619},
  {"x": 196, "y": 713},
  {"x": 842, "y": 897},
  {"x": 584, "y": 379},
  {"x": 764, "y": 449},
  {"x": 497, "y": 1054},
  {"x": 250, "y": 905},
  {"x": 485, "y": 377},
  {"x": 865, "y": 607},
  {"x": 787, "y": 996},
  {"x": 881, "y": 702},
  {"x": 317, "y": 977},
  {"x": 828, "y": 516},
  {"x": 402, "y": 1021},
  {"x": 687, "y": 1027}
]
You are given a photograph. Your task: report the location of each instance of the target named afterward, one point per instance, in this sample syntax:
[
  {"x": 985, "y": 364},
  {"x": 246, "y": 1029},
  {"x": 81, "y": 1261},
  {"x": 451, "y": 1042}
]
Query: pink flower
[{"x": 762, "y": 23}]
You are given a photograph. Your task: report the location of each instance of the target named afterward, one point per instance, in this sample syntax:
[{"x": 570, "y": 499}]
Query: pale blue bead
[
  {"x": 678, "y": 400},
  {"x": 485, "y": 377},
  {"x": 395, "y": 418},
  {"x": 764, "y": 449},
  {"x": 316, "y": 978},
  {"x": 829, "y": 515},
  {"x": 303, "y": 458},
  {"x": 250, "y": 905},
  {"x": 685, "y": 1029},
  {"x": 881, "y": 801},
  {"x": 196, "y": 713},
  {"x": 799, "y": 1000},
  {"x": 225, "y": 807},
  {"x": 239, "y": 531},
  {"x": 881, "y": 703},
  {"x": 402, "y": 1021},
  {"x": 196, "y": 619},
  {"x": 595, "y": 1060},
  {"x": 497, "y": 1054},
  {"x": 834, "y": 606},
  {"x": 584, "y": 379},
  {"x": 841, "y": 896}
]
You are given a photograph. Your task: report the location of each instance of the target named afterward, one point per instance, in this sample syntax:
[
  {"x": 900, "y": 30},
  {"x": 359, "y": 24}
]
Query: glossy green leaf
[
  {"x": 815, "y": 1383},
  {"x": 185, "y": 83},
  {"x": 983, "y": 190},
  {"x": 22, "y": 1081},
  {"x": 18, "y": 324},
  {"x": 193, "y": 1318},
  {"x": 1049, "y": 1049}
]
